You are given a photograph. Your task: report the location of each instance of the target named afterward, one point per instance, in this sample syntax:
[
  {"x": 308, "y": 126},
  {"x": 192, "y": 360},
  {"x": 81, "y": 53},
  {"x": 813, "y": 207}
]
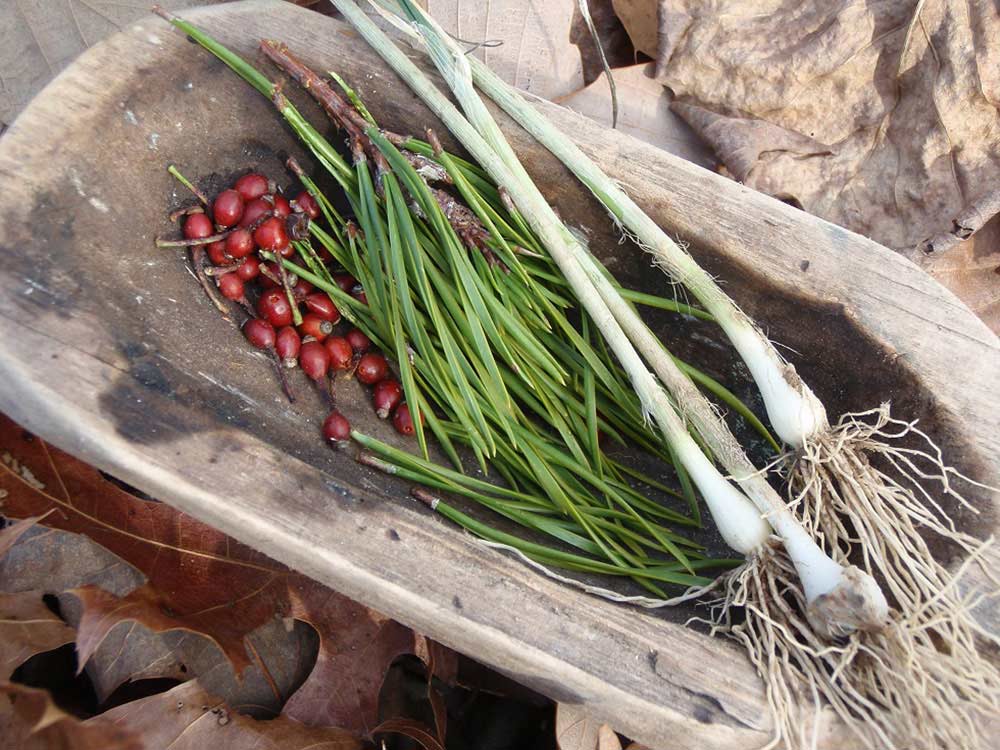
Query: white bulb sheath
[
  {"x": 739, "y": 522},
  {"x": 792, "y": 408}
]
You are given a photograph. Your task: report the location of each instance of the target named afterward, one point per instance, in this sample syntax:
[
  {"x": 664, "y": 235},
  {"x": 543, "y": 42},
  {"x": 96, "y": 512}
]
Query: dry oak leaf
[
  {"x": 972, "y": 272},
  {"x": 29, "y": 720},
  {"x": 284, "y": 651},
  {"x": 284, "y": 655},
  {"x": 881, "y": 117},
  {"x": 576, "y": 730},
  {"x": 200, "y": 580},
  {"x": 188, "y": 718},
  {"x": 607, "y": 739},
  {"x": 543, "y": 48},
  {"x": 10, "y": 534},
  {"x": 644, "y": 113},
  {"x": 28, "y": 627},
  {"x": 639, "y": 18}
]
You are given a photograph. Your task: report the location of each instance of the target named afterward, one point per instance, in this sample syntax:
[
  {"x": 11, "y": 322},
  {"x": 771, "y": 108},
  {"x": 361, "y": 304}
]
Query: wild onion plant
[{"x": 913, "y": 679}]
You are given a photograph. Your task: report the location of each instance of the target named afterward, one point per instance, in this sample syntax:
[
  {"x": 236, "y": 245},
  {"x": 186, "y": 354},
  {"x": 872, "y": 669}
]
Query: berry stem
[
  {"x": 186, "y": 211},
  {"x": 188, "y": 184},
  {"x": 196, "y": 241},
  {"x": 287, "y": 286},
  {"x": 223, "y": 270},
  {"x": 198, "y": 266},
  {"x": 280, "y": 369}
]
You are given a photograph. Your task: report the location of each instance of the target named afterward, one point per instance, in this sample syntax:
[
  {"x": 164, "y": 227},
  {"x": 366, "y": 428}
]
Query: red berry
[
  {"x": 217, "y": 253},
  {"x": 336, "y": 428},
  {"x": 315, "y": 326},
  {"x": 228, "y": 208},
  {"x": 271, "y": 235},
  {"x": 274, "y": 307},
  {"x": 239, "y": 244},
  {"x": 320, "y": 304},
  {"x": 253, "y": 211},
  {"x": 302, "y": 289},
  {"x": 314, "y": 360},
  {"x": 259, "y": 332},
  {"x": 307, "y": 204},
  {"x": 251, "y": 186},
  {"x": 358, "y": 341},
  {"x": 231, "y": 286},
  {"x": 287, "y": 344},
  {"x": 340, "y": 352},
  {"x": 360, "y": 296},
  {"x": 281, "y": 209},
  {"x": 198, "y": 226},
  {"x": 250, "y": 268},
  {"x": 372, "y": 368},
  {"x": 386, "y": 396},
  {"x": 345, "y": 281},
  {"x": 402, "y": 420}
]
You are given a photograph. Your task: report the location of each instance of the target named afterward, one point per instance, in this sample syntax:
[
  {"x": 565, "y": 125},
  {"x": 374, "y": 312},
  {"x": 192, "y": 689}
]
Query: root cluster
[{"x": 928, "y": 680}]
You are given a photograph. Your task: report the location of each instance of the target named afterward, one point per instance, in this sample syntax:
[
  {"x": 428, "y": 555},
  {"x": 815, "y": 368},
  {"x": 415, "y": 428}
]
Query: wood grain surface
[
  {"x": 38, "y": 38},
  {"x": 109, "y": 349}
]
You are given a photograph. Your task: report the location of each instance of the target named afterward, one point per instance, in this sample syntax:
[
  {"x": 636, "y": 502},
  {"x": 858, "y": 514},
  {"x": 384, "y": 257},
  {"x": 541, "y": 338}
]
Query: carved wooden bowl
[{"x": 109, "y": 349}]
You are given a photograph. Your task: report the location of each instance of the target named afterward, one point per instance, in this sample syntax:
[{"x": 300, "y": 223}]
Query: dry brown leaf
[
  {"x": 530, "y": 46},
  {"x": 10, "y": 534},
  {"x": 644, "y": 113},
  {"x": 972, "y": 272},
  {"x": 56, "y": 560},
  {"x": 286, "y": 653},
  {"x": 202, "y": 581},
  {"x": 576, "y": 730},
  {"x": 53, "y": 561},
  {"x": 29, "y": 720},
  {"x": 640, "y": 20},
  {"x": 607, "y": 739},
  {"x": 28, "y": 627},
  {"x": 541, "y": 47},
  {"x": 881, "y": 117},
  {"x": 188, "y": 718}
]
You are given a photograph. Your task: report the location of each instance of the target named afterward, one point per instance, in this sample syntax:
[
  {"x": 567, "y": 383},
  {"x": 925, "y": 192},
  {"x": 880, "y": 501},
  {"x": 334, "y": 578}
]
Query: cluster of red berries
[{"x": 252, "y": 216}]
